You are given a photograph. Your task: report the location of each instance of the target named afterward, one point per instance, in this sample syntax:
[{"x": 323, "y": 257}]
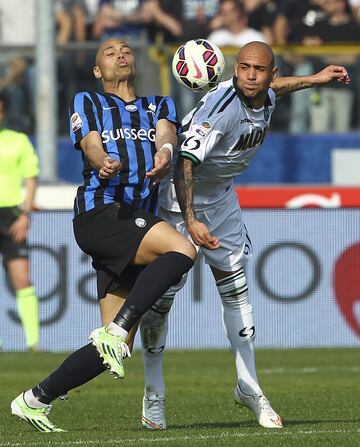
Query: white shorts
[{"x": 225, "y": 222}]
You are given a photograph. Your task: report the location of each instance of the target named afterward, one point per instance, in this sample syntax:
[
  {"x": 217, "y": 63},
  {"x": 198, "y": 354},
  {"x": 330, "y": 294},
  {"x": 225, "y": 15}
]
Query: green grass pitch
[{"x": 317, "y": 392}]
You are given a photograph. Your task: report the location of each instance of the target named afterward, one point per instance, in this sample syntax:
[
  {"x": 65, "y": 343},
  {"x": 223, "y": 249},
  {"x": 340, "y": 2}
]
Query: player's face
[
  {"x": 254, "y": 71},
  {"x": 114, "y": 61}
]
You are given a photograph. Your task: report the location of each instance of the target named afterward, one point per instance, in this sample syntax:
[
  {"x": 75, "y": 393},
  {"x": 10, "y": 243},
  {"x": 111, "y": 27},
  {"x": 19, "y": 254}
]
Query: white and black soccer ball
[{"x": 198, "y": 64}]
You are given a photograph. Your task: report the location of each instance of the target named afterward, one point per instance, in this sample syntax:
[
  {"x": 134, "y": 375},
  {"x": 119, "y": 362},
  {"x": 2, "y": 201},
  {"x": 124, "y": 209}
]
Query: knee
[
  {"x": 21, "y": 282},
  {"x": 187, "y": 248},
  {"x": 153, "y": 321}
]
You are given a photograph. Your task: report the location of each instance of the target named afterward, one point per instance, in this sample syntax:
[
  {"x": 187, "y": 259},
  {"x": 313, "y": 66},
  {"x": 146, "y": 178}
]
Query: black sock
[
  {"x": 156, "y": 278},
  {"x": 80, "y": 367}
]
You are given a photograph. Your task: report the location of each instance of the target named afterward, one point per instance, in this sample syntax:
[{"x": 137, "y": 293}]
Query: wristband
[
  {"x": 107, "y": 158},
  {"x": 170, "y": 147}
]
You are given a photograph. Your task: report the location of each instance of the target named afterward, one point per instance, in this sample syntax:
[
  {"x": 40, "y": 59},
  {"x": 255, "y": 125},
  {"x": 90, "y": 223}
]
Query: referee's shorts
[
  {"x": 8, "y": 247},
  {"x": 111, "y": 235}
]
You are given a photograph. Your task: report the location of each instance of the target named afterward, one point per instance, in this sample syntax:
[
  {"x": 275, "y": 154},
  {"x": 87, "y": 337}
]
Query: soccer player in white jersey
[{"x": 220, "y": 137}]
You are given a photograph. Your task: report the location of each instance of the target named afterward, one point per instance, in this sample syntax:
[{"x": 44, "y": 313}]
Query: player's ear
[
  {"x": 236, "y": 68},
  {"x": 97, "y": 72},
  {"x": 274, "y": 72}
]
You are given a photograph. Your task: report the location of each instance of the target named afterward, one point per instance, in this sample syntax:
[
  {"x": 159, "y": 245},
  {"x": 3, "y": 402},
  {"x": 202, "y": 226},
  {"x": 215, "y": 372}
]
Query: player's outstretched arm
[
  {"x": 183, "y": 178},
  {"x": 93, "y": 149},
  {"x": 284, "y": 85}
]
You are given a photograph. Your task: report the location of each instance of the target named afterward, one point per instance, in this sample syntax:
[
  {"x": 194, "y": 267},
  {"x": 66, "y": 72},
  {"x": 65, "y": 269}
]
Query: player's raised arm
[
  {"x": 92, "y": 147},
  {"x": 183, "y": 178},
  {"x": 284, "y": 85}
]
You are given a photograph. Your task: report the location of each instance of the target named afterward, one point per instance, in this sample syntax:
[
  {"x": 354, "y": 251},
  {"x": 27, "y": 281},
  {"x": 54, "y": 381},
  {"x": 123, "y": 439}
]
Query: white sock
[
  {"x": 239, "y": 327},
  {"x": 153, "y": 331},
  {"x": 115, "y": 329},
  {"x": 31, "y": 400}
]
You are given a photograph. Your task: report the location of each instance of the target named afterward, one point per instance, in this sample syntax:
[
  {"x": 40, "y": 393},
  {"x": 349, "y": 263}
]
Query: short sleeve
[
  {"x": 83, "y": 118},
  {"x": 167, "y": 110},
  {"x": 29, "y": 162},
  {"x": 201, "y": 134}
]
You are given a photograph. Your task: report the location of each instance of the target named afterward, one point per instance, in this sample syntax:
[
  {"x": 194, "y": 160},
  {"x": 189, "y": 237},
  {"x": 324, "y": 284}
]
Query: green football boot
[
  {"x": 111, "y": 348},
  {"x": 36, "y": 417}
]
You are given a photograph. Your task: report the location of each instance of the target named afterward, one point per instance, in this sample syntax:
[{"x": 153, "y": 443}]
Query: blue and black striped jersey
[{"x": 127, "y": 130}]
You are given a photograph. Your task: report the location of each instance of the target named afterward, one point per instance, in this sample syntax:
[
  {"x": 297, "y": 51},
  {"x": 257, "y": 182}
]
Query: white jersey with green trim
[{"x": 221, "y": 136}]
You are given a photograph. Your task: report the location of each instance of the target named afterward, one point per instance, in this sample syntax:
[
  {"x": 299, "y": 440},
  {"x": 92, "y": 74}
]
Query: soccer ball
[{"x": 198, "y": 64}]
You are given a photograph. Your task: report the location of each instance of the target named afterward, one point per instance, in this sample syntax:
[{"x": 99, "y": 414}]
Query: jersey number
[{"x": 192, "y": 147}]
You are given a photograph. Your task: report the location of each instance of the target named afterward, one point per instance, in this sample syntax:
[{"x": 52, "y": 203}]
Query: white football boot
[
  {"x": 153, "y": 412},
  {"x": 258, "y": 403}
]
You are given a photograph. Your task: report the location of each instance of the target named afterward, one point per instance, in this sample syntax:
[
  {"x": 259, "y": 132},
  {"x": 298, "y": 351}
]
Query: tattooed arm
[
  {"x": 284, "y": 85},
  {"x": 184, "y": 186}
]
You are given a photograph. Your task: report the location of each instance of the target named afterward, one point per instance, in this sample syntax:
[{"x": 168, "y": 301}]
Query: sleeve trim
[{"x": 190, "y": 156}]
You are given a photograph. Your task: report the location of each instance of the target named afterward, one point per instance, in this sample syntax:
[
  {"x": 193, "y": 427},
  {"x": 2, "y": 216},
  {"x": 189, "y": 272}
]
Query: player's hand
[
  {"x": 110, "y": 168},
  {"x": 201, "y": 235},
  {"x": 162, "y": 161},
  {"x": 19, "y": 228},
  {"x": 331, "y": 73}
]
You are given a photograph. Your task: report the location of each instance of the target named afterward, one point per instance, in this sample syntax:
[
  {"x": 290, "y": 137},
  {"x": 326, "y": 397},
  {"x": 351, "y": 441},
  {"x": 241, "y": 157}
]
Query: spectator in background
[
  {"x": 261, "y": 16},
  {"x": 162, "y": 20},
  {"x": 355, "y": 7},
  {"x": 119, "y": 18},
  {"x": 234, "y": 29},
  {"x": 291, "y": 26},
  {"x": 17, "y": 29},
  {"x": 182, "y": 20},
  {"x": 294, "y": 18},
  {"x": 91, "y": 10},
  {"x": 331, "y": 108},
  {"x": 70, "y": 18},
  {"x": 179, "y": 21},
  {"x": 18, "y": 162}
]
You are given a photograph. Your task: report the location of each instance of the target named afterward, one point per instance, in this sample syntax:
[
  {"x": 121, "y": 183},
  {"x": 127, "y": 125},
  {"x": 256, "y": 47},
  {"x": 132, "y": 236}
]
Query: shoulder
[
  {"x": 217, "y": 106},
  {"x": 215, "y": 99},
  {"x": 89, "y": 94},
  {"x": 167, "y": 99},
  {"x": 156, "y": 100},
  {"x": 13, "y": 135}
]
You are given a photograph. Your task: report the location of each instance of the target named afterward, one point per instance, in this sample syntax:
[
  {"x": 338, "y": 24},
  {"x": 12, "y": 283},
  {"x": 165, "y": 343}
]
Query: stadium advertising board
[
  {"x": 298, "y": 197},
  {"x": 303, "y": 284}
]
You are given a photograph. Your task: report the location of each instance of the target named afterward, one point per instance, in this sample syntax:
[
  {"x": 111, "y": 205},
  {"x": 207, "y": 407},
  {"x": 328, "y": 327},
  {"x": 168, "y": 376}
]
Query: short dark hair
[{"x": 238, "y": 5}]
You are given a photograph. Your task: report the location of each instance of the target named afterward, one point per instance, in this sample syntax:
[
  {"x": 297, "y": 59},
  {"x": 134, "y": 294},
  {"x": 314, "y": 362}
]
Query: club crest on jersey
[
  {"x": 152, "y": 108},
  {"x": 204, "y": 128},
  {"x": 140, "y": 222},
  {"x": 131, "y": 108},
  {"x": 251, "y": 139},
  {"x": 76, "y": 122}
]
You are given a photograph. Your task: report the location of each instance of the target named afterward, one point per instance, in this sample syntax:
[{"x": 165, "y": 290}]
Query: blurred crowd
[{"x": 167, "y": 22}]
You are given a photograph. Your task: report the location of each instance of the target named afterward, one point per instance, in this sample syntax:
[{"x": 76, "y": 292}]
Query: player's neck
[
  {"x": 252, "y": 103},
  {"x": 125, "y": 90}
]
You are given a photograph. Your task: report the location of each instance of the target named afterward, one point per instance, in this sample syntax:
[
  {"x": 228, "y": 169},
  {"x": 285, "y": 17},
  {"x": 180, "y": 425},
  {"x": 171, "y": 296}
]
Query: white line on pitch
[
  {"x": 159, "y": 439},
  {"x": 309, "y": 370}
]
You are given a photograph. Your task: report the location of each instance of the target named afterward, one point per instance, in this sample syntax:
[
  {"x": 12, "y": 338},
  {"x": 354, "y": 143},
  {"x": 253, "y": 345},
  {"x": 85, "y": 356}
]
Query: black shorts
[
  {"x": 10, "y": 249},
  {"x": 111, "y": 235}
]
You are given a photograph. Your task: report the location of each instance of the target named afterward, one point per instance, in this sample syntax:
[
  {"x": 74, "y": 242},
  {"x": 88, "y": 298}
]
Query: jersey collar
[{"x": 245, "y": 101}]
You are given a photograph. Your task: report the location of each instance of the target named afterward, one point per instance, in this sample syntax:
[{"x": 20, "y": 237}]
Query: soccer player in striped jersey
[
  {"x": 126, "y": 143},
  {"x": 220, "y": 138}
]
